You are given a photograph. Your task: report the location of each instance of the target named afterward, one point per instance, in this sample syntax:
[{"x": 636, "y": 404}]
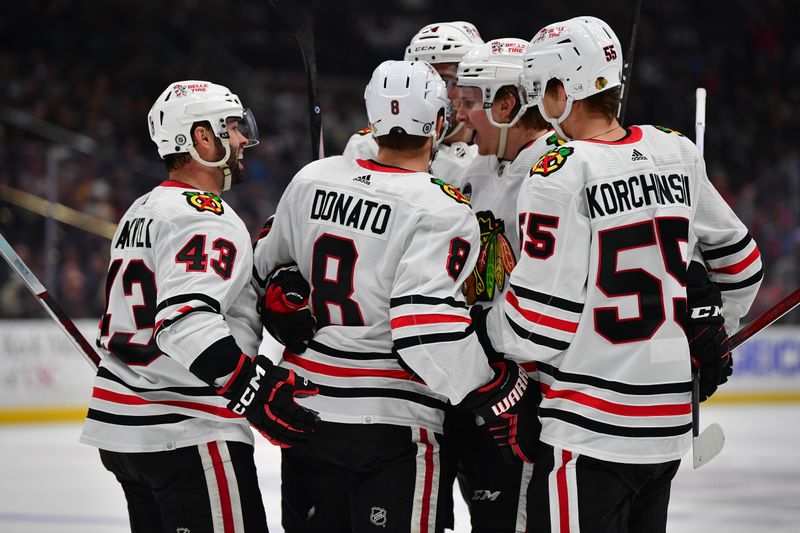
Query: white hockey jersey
[
  {"x": 385, "y": 251},
  {"x": 598, "y": 294},
  {"x": 449, "y": 163},
  {"x": 179, "y": 290},
  {"x": 492, "y": 186}
]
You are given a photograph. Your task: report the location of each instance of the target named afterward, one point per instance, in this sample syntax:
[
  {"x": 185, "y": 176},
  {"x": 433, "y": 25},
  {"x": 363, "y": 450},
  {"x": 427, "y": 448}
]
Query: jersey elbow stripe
[
  {"x": 547, "y": 299},
  {"x": 614, "y": 408},
  {"x": 183, "y": 312},
  {"x": 433, "y": 338},
  {"x": 427, "y": 318},
  {"x": 613, "y": 429},
  {"x": 541, "y": 319},
  {"x": 536, "y": 338},
  {"x": 185, "y": 298},
  {"x": 738, "y": 267},
  {"x": 752, "y": 280},
  {"x": 725, "y": 251},
  {"x": 418, "y": 299},
  {"x": 340, "y": 371}
]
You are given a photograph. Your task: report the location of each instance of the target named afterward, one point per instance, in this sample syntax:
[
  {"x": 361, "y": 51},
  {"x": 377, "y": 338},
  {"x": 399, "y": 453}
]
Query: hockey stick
[
  {"x": 765, "y": 319},
  {"x": 47, "y": 301},
  {"x": 708, "y": 444},
  {"x": 301, "y": 26},
  {"x": 627, "y": 68}
]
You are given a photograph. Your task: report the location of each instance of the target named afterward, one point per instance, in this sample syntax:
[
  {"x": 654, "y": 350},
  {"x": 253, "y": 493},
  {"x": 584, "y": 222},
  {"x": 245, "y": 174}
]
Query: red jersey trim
[
  {"x": 613, "y": 408},
  {"x": 342, "y": 372},
  {"x": 178, "y": 184},
  {"x": 430, "y": 318},
  {"x": 130, "y": 399},
  {"x": 634, "y": 135},
  {"x": 741, "y": 265},
  {"x": 371, "y": 164},
  {"x": 540, "y": 319}
]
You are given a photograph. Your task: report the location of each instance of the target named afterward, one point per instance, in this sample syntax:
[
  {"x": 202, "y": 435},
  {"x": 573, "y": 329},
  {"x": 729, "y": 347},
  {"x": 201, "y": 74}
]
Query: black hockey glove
[
  {"x": 509, "y": 408},
  {"x": 285, "y": 311},
  {"x": 705, "y": 329},
  {"x": 264, "y": 394},
  {"x": 478, "y": 316}
]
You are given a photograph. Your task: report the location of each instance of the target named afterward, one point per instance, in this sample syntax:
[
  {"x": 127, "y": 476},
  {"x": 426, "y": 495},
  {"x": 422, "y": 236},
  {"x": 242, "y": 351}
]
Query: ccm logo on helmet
[{"x": 706, "y": 311}]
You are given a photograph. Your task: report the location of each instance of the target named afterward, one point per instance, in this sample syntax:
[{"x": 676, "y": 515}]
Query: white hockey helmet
[
  {"x": 443, "y": 42},
  {"x": 583, "y": 53},
  {"x": 491, "y": 66},
  {"x": 409, "y": 95},
  {"x": 185, "y": 103}
]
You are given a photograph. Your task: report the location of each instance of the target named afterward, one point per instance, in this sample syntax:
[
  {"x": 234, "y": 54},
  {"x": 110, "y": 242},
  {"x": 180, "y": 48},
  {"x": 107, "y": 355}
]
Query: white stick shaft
[{"x": 700, "y": 118}]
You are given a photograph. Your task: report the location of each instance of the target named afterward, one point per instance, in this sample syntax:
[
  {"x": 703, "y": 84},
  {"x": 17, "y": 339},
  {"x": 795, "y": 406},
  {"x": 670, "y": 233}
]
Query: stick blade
[{"x": 707, "y": 445}]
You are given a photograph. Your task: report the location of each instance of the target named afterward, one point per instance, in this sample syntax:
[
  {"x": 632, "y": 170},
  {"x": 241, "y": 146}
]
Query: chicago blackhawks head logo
[
  {"x": 495, "y": 261},
  {"x": 451, "y": 191},
  {"x": 553, "y": 140},
  {"x": 667, "y": 130},
  {"x": 552, "y": 161},
  {"x": 205, "y": 201}
]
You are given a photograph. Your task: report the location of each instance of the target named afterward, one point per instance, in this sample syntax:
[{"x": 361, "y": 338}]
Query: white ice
[{"x": 51, "y": 483}]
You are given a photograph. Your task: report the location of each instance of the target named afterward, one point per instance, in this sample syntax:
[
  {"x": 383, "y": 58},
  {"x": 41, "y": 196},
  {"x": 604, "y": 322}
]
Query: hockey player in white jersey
[
  {"x": 178, "y": 386},
  {"x": 510, "y": 139},
  {"x": 386, "y": 248},
  {"x": 598, "y": 298},
  {"x": 442, "y": 44}
]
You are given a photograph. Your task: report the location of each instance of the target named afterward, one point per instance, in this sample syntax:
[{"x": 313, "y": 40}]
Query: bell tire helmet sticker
[
  {"x": 451, "y": 191},
  {"x": 552, "y": 161},
  {"x": 205, "y": 201}
]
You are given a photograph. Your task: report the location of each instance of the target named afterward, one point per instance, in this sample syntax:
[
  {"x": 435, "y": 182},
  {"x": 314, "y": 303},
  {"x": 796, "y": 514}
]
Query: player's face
[
  {"x": 472, "y": 114},
  {"x": 237, "y": 143}
]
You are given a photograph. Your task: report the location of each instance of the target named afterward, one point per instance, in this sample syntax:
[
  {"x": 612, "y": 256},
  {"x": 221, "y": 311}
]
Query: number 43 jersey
[
  {"x": 385, "y": 251},
  {"x": 180, "y": 300},
  {"x": 598, "y": 296}
]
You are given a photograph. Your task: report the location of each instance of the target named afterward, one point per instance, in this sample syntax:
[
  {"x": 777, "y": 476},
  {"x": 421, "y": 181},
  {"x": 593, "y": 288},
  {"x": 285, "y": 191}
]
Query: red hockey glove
[
  {"x": 509, "y": 408},
  {"x": 265, "y": 395},
  {"x": 708, "y": 340},
  {"x": 285, "y": 311}
]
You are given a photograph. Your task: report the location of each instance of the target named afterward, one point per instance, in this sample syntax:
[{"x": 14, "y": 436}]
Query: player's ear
[{"x": 504, "y": 104}]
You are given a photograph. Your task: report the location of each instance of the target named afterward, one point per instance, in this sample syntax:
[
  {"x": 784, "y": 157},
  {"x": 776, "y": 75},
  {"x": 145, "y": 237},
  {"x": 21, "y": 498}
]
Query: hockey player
[
  {"x": 175, "y": 392},
  {"x": 386, "y": 248},
  {"x": 510, "y": 139},
  {"x": 598, "y": 298},
  {"x": 442, "y": 44}
]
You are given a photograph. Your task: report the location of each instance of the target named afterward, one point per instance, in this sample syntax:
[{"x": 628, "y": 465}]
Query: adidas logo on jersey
[
  {"x": 638, "y": 156},
  {"x": 363, "y": 179}
]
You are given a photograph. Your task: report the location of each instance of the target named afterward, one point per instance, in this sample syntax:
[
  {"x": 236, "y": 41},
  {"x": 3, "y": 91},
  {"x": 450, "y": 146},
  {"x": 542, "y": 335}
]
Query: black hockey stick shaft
[
  {"x": 765, "y": 319},
  {"x": 48, "y": 302},
  {"x": 627, "y": 68},
  {"x": 300, "y": 23}
]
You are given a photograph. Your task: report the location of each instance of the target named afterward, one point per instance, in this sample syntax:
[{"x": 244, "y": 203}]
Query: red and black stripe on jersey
[
  {"x": 536, "y": 317},
  {"x": 735, "y": 266}
]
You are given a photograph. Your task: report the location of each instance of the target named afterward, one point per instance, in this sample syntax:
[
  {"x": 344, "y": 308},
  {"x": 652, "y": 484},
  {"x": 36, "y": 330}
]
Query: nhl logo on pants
[{"x": 377, "y": 515}]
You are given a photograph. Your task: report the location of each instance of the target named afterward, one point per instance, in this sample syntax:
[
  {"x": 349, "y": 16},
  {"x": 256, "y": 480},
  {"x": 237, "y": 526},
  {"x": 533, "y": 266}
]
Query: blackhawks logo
[
  {"x": 552, "y": 161},
  {"x": 451, "y": 191},
  {"x": 205, "y": 201},
  {"x": 553, "y": 140},
  {"x": 667, "y": 130},
  {"x": 495, "y": 261}
]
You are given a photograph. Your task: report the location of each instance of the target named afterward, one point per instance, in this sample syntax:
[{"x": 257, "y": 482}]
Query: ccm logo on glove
[{"x": 705, "y": 311}]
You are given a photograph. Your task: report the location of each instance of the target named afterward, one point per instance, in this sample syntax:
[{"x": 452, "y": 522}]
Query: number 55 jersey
[
  {"x": 598, "y": 295},
  {"x": 385, "y": 251}
]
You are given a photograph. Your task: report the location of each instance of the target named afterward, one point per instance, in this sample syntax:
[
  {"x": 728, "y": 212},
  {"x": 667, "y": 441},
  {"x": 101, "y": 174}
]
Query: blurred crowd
[{"x": 79, "y": 66}]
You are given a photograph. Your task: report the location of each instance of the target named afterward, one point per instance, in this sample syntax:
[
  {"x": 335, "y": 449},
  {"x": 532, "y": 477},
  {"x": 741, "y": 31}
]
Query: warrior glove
[
  {"x": 509, "y": 409},
  {"x": 708, "y": 341},
  {"x": 265, "y": 395},
  {"x": 284, "y": 309}
]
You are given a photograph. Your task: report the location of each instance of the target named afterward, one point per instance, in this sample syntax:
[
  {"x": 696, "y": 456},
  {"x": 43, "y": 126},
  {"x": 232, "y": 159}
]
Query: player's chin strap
[
  {"x": 501, "y": 144},
  {"x": 222, "y": 164},
  {"x": 452, "y": 134},
  {"x": 556, "y": 122}
]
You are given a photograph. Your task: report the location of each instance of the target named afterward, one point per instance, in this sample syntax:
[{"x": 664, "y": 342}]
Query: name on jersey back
[
  {"x": 637, "y": 192},
  {"x": 135, "y": 233},
  {"x": 350, "y": 211}
]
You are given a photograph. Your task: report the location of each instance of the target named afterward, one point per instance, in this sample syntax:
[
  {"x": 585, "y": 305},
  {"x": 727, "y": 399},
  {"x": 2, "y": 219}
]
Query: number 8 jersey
[
  {"x": 385, "y": 251},
  {"x": 180, "y": 309},
  {"x": 598, "y": 295}
]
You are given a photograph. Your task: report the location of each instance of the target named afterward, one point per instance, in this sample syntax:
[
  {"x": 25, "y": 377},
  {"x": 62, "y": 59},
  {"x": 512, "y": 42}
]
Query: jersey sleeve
[
  {"x": 729, "y": 251},
  {"x": 203, "y": 265},
  {"x": 274, "y": 246},
  {"x": 429, "y": 317},
  {"x": 542, "y": 308}
]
